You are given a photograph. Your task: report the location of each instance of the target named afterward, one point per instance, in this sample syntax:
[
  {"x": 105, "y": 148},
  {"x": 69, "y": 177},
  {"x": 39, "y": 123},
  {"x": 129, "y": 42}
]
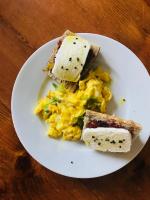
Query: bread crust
[{"x": 127, "y": 124}]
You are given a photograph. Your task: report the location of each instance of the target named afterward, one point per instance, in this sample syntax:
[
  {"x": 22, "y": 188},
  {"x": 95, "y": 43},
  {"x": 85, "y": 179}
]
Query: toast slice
[
  {"x": 94, "y": 119},
  {"x": 105, "y": 132},
  {"x": 93, "y": 52}
]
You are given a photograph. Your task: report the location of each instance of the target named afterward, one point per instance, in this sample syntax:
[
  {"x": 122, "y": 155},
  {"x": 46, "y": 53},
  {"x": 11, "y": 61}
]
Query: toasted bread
[
  {"x": 87, "y": 67},
  {"x": 112, "y": 121}
]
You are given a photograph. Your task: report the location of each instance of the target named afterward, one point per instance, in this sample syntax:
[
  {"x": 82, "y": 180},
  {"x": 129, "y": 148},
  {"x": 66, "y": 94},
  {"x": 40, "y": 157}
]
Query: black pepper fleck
[
  {"x": 120, "y": 141},
  {"x": 93, "y": 136},
  {"x": 76, "y": 38},
  {"x": 119, "y": 146},
  {"x": 62, "y": 67},
  {"x": 71, "y": 162},
  {"x": 78, "y": 59},
  {"x": 75, "y": 68},
  {"x": 67, "y": 69},
  {"x": 99, "y": 143},
  {"x": 81, "y": 64},
  {"x": 124, "y": 99},
  {"x": 74, "y": 42},
  {"x": 70, "y": 59},
  {"x": 106, "y": 139},
  {"x": 113, "y": 142},
  {"x": 84, "y": 46}
]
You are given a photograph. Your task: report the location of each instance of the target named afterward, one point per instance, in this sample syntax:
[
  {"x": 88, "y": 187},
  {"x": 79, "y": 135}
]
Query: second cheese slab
[{"x": 107, "y": 139}]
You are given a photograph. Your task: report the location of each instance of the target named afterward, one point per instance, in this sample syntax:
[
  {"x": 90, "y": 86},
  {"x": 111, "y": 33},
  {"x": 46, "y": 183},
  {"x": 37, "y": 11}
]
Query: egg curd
[{"x": 64, "y": 110}]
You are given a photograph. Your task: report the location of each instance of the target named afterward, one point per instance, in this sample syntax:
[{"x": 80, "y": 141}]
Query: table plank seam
[{"x": 17, "y": 33}]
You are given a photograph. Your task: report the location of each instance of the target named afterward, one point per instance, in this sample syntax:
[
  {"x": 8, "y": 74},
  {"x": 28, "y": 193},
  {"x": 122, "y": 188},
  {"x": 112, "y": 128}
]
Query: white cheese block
[
  {"x": 107, "y": 139},
  {"x": 70, "y": 58}
]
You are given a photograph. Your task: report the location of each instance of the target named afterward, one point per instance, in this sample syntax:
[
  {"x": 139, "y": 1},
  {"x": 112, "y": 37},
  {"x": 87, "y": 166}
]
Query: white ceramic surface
[{"x": 130, "y": 80}]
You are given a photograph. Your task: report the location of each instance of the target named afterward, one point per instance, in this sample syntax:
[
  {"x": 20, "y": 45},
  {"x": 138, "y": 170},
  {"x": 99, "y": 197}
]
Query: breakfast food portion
[
  {"x": 108, "y": 133},
  {"x": 76, "y": 108},
  {"x": 64, "y": 110},
  {"x": 71, "y": 59}
]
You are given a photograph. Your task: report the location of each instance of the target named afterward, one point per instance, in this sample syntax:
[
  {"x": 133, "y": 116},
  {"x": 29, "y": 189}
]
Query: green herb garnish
[
  {"x": 93, "y": 104},
  {"x": 54, "y": 100},
  {"x": 79, "y": 121},
  {"x": 46, "y": 110},
  {"x": 55, "y": 85}
]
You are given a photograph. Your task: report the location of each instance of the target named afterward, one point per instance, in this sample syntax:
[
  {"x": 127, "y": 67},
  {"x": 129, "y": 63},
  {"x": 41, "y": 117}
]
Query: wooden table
[{"x": 25, "y": 25}]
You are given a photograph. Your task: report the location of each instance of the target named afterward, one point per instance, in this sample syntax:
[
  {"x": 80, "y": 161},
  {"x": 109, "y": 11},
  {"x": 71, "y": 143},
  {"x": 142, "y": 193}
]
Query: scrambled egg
[{"x": 64, "y": 110}]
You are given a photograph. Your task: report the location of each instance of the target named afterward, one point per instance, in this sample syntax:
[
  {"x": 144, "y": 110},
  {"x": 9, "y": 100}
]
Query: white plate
[{"x": 130, "y": 80}]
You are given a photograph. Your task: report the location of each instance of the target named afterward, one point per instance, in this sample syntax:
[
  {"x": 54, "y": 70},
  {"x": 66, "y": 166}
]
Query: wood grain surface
[{"x": 25, "y": 25}]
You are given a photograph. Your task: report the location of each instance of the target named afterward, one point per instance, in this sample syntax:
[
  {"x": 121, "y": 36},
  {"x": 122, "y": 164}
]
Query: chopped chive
[
  {"x": 54, "y": 85},
  {"x": 54, "y": 100},
  {"x": 47, "y": 111}
]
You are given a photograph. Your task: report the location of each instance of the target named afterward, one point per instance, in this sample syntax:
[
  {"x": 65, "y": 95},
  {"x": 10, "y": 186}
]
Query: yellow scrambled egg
[{"x": 63, "y": 110}]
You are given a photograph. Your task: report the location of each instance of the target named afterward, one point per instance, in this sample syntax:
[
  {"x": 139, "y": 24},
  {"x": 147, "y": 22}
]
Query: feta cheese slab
[
  {"x": 107, "y": 139},
  {"x": 70, "y": 58}
]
